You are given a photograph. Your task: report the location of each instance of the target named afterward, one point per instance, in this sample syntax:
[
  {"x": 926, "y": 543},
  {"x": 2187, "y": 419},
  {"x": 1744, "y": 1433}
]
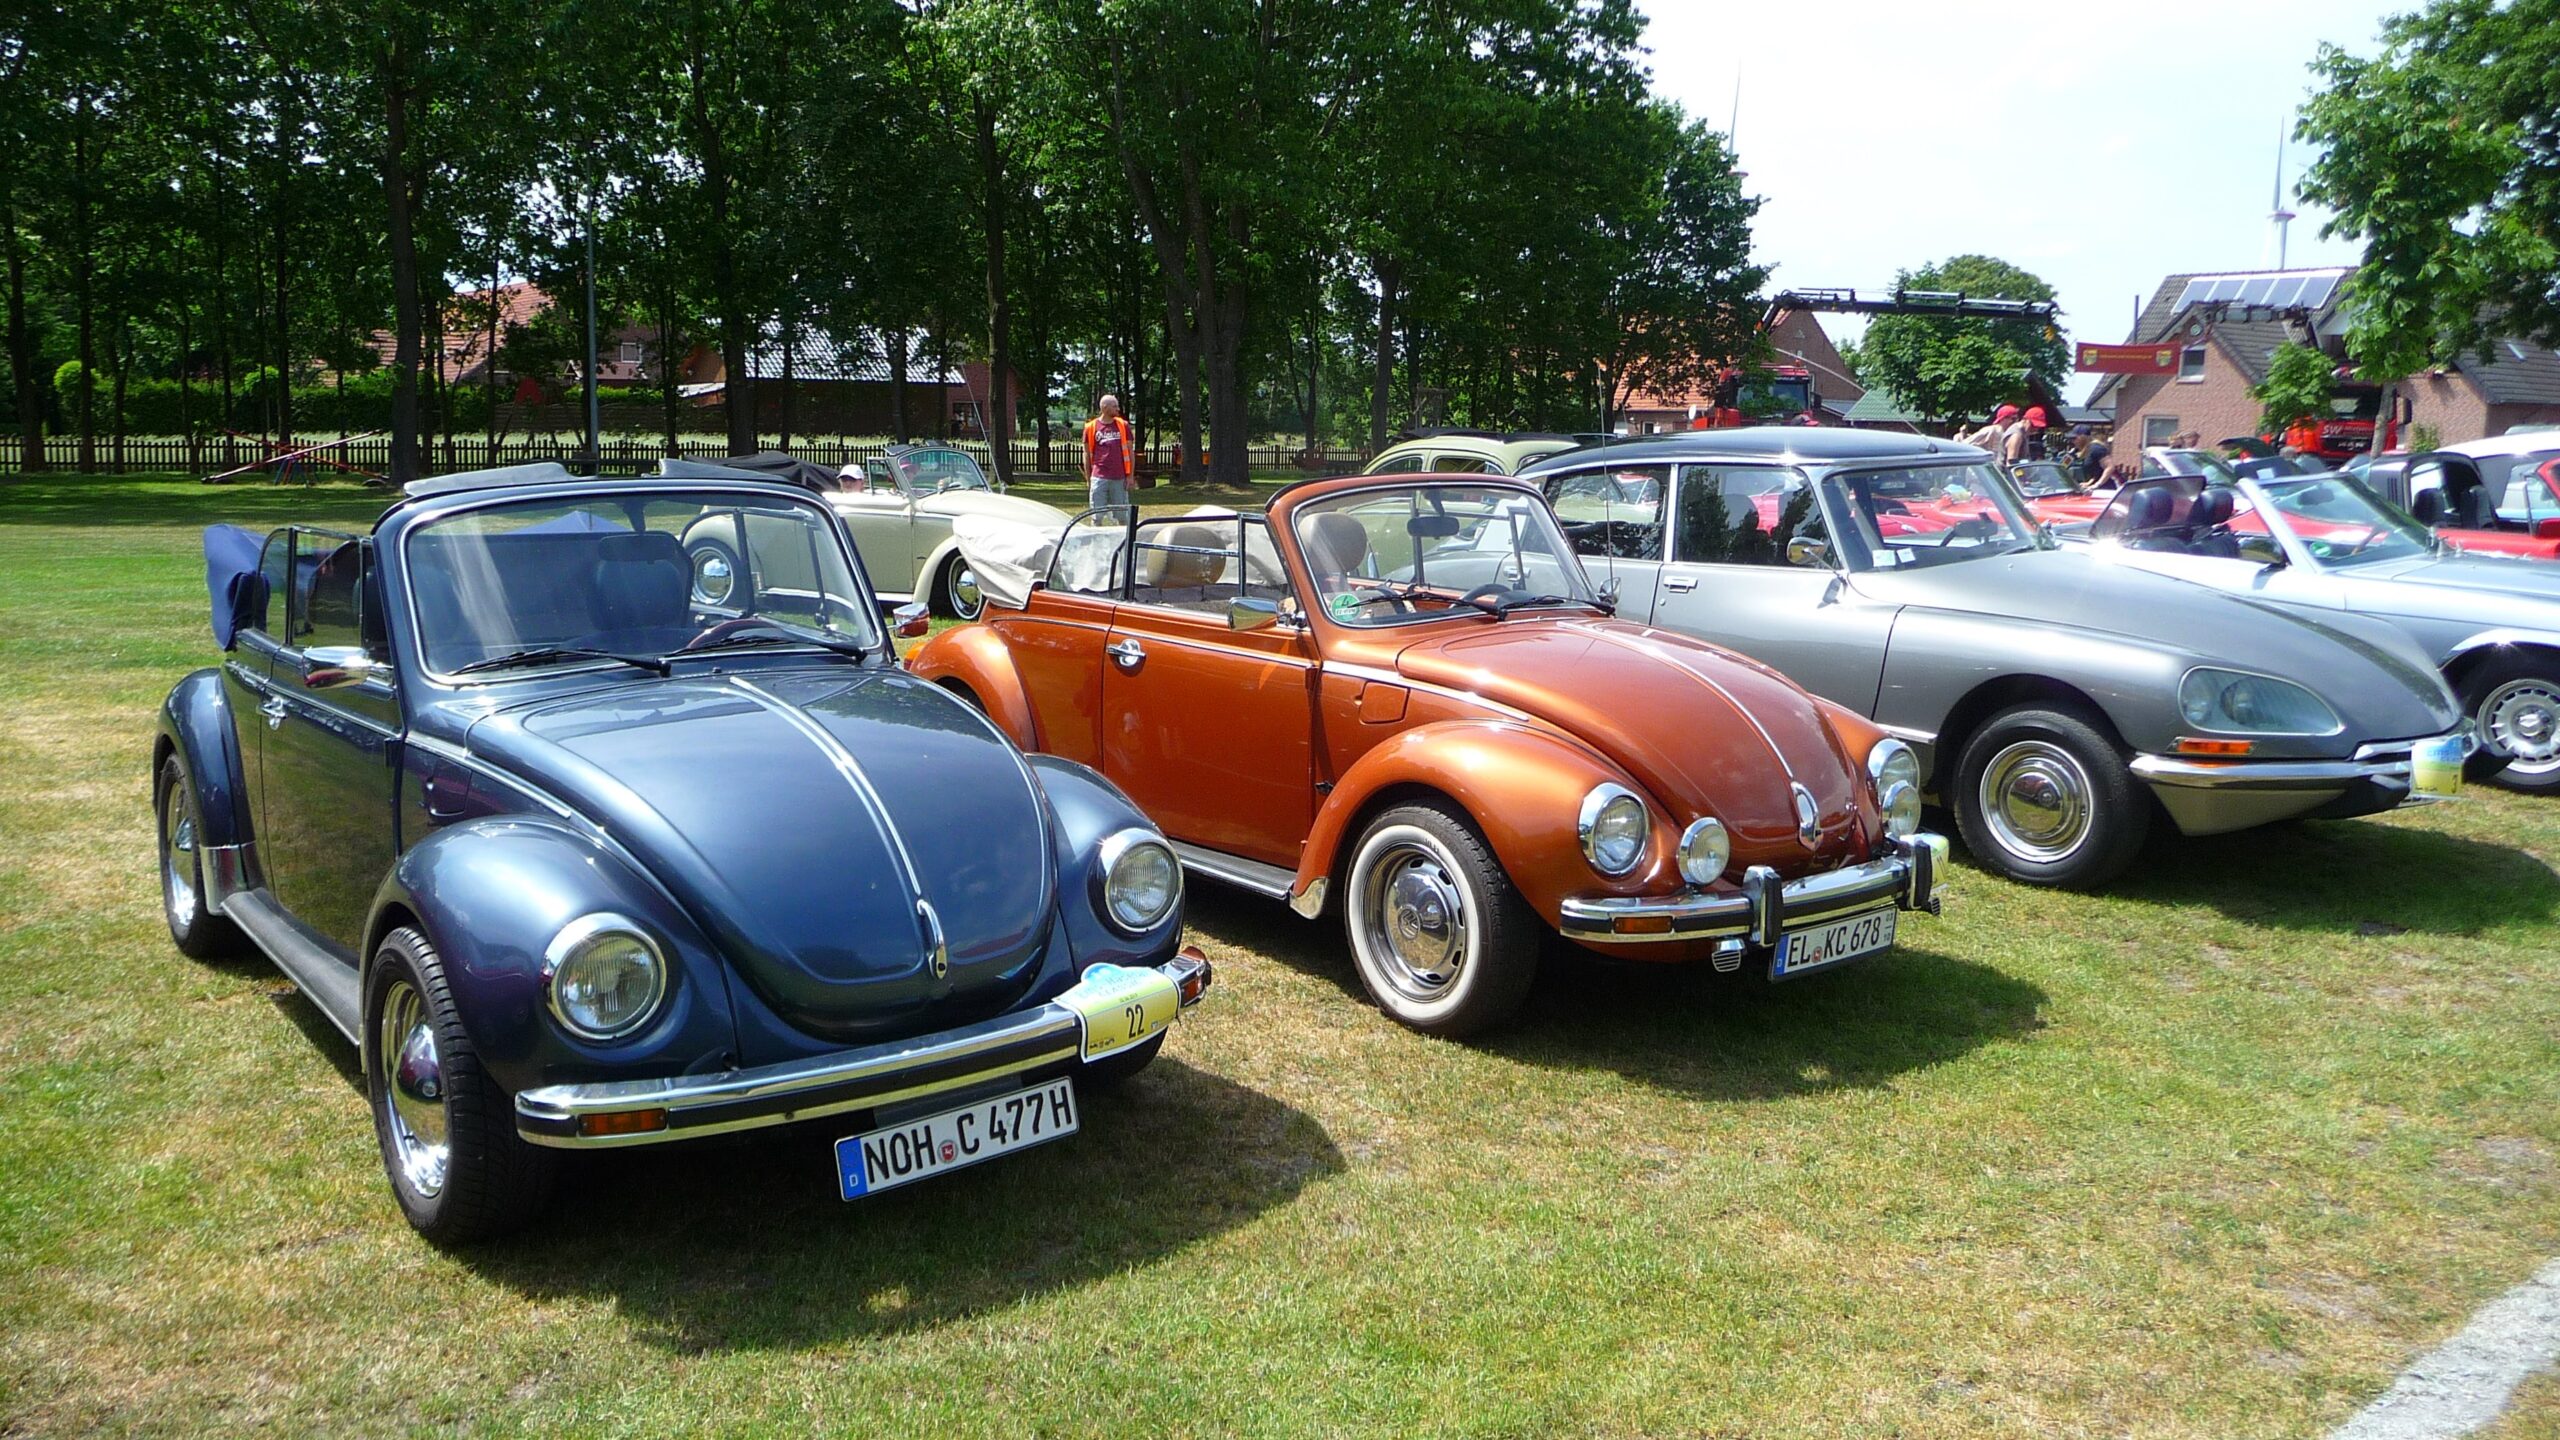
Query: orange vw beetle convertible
[{"x": 1401, "y": 697}]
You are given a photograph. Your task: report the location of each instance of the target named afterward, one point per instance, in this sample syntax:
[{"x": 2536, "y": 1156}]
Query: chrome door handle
[
  {"x": 274, "y": 711},
  {"x": 1126, "y": 653},
  {"x": 1679, "y": 584}
]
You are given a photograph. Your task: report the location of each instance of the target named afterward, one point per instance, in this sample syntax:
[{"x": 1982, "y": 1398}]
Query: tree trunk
[
  {"x": 896, "y": 341},
  {"x": 1184, "y": 341},
  {"x": 667, "y": 366},
  {"x": 999, "y": 416},
  {"x": 1383, "y": 376},
  {"x": 83, "y": 273},
  {"x": 1315, "y": 348},
  {"x": 1228, "y": 399},
  {"x": 123, "y": 346},
  {"x": 281, "y": 313},
  {"x": 790, "y": 374},
  {"x": 22, "y": 350},
  {"x": 489, "y": 359},
  {"x": 187, "y": 391},
  {"x": 222, "y": 359}
]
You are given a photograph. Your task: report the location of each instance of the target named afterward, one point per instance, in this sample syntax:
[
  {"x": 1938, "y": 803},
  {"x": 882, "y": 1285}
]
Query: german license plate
[
  {"x": 929, "y": 1145},
  {"x": 1802, "y": 950}
]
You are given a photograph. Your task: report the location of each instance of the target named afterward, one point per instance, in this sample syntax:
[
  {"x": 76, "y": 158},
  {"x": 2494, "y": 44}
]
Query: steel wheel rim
[
  {"x": 714, "y": 578},
  {"x": 968, "y": 602},
  {"x": 1413, "y": 920},
  {"x": 2037, "y": 800},
  {"x": 178, "y": 859},
  {"x": 413, "y": 1086},
  {"x": 2522, "y": 719}
]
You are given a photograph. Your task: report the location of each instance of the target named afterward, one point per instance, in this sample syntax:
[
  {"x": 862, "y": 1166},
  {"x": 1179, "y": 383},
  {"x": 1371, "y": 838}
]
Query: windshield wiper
[
  {"x": 746, "y": 638},
  {"x": 545, "y": 654},
  {"x": 1509, "y": 603}
]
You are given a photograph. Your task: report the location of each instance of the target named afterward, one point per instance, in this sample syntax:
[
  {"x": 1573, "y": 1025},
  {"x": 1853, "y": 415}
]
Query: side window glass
[
  {"x": 275, "y": 571},
  {"x": 1200, "y": 562},
  {"x": 1743, "y": 515},
  {"x": 1092, "y": 556},
  {"x": 327, "y": 575},
  {"x": 1400, "y": 462},
  {"x": 1613, "y": 512},
  {"x": 1459, "y": 465}
]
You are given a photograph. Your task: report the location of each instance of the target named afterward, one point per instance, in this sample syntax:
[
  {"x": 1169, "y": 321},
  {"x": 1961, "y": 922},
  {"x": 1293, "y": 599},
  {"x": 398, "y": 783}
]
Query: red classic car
[{"x": 1400, "y": 698}]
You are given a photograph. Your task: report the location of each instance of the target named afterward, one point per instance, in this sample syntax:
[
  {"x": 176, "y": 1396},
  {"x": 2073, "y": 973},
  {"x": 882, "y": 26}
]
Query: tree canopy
[
  {"x": 1946, "y": 369},
  {"x": 2300, "y": 380}
]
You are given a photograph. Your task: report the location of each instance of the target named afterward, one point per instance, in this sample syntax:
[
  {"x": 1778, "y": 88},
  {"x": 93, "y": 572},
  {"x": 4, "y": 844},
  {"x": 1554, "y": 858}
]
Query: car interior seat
[
  {"x": 1337, "y": 545},
  {"x": 2209, "y": 525},
  {"x": 2427, "y": 507},
  {"x": 1182, "y": 565},
  {"x": 642, "y": 596},
  {"x": 2469, "y": 507},
  {"x": 2146, "y": 520}
]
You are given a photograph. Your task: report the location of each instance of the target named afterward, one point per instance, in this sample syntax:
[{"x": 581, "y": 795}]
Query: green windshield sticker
[{"x": 1344, "y": 606}]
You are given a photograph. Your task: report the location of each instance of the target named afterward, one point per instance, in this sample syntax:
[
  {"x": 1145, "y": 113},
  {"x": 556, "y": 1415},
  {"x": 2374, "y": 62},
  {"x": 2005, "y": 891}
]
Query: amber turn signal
[
  {"x": 1195, "y": 984},
  {"x": 1641, "y": 925},
  {"x": 622, "y": 1122},
  {"x": 2193, "y": 745}
]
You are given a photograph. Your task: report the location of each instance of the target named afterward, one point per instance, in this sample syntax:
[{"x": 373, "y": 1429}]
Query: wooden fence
[{"x": 623, "y": 455}]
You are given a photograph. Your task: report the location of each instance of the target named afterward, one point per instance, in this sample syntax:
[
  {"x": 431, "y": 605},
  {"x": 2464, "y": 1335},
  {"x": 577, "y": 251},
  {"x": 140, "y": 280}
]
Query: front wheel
[
  {"x": 201, "y": 932},
  {"x": 2043, "y": 797},
  {"x": 955, "y": 590},
  {"x": 715, "y": 573},
  {"x": 1444, "y": 941},
  {"x": 2515, "y": 706},
  {"x": 446, "y": 1129}
]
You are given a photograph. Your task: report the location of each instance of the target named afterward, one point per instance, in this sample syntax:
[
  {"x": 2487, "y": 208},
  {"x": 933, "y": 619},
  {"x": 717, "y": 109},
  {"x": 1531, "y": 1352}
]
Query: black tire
[
  {"x": 2077, "y": 816},
  {"x": 707, "y": 563},
  {"x": 200, "y": 933},
  {"x": 1113, "y": 1071},
  {"x": 491, "y": 1181},
  {"x": 947, "y": 600},
  {"x": 1490, "y": 953},
  {"x": 2514, "y": 703}
]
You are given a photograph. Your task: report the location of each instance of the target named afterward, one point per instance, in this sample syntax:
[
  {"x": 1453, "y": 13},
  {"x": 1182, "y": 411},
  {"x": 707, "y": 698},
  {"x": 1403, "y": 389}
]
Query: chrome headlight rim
[
  {"x": 1899, "y": 802},
  {"x": 575, "y": 937},
  {"x": 1893, "y": 777},
  {"x": 1595, "y": 806},
  {"x": 1118, "y": 846},
  {"x": 1702, "y": 832},
  {"x": 2223, "y": 679}
]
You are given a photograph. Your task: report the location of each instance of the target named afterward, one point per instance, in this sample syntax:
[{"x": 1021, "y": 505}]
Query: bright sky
[{"x": 2099, "y": 146}]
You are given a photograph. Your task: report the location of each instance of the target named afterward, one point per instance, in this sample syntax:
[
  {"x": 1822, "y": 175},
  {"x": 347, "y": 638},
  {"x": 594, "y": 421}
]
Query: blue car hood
[{"x": 799, "y": 816}]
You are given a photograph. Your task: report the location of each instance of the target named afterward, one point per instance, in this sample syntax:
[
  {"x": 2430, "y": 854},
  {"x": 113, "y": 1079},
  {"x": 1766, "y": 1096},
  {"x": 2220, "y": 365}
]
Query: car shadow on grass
[
  {"x": 743, "y": 1245},
  {"x": 1686, "y": 1029},
  {"x": 2348, "y": 877}
]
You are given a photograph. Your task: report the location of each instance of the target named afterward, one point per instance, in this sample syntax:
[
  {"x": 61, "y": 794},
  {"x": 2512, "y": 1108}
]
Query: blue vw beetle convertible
[{"x": 601, "y": 813}]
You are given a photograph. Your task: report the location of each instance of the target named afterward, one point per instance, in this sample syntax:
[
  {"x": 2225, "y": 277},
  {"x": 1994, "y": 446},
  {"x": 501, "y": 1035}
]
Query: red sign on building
[{"x": 2128, "y": 359}]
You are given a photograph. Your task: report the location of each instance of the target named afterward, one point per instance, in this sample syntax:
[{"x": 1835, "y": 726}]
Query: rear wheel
[
  {"x": 201, "y": 933},
  {"x": 1444, "y": 942},
  {"x": 955, "y": 590},
  {"x": 2515, "y": 706},
  {"x": 446, "y": 1129},
  {"x": 2042, "y": 796}
]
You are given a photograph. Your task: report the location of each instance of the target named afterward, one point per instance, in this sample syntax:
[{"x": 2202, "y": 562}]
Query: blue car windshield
[{"x": 634, "y": 572}]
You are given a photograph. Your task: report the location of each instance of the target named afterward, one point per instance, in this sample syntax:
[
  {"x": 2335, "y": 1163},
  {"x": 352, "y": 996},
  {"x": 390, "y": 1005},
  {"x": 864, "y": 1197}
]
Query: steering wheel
[
  {"x": 1975, "y": 527},
  {"x": 727, "y": 628}
]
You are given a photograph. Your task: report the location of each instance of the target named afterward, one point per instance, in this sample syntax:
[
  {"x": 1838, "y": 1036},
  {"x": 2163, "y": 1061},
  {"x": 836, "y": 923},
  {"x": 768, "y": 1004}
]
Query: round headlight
[
  {"x": 1141, "y": 881},
  {"x": 1893, "y": 763},
  {"x": 603, "y": 976},
  {"x": 1900, "y": 803},
  {"x": 1613, "y": 826},
  {"x": 1704, "y": 850}
]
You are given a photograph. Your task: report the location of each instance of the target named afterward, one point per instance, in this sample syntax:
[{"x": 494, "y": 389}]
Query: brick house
[
  {"x": 1797, "y": 340},
  {"x": 2226, "y": 328},
  {"x": 841, "y": 382},
  {"x": 622, "y": 356}
]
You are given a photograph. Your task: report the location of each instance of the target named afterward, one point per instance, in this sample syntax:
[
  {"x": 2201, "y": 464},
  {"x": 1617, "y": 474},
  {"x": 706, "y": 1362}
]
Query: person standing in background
[
  {"x": 1107, "y": 448},
  {"x": 2039, "y": 420}
]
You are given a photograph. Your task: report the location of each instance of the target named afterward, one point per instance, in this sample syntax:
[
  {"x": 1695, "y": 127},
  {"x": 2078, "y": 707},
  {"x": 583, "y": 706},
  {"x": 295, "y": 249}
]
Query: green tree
[
  {"x": 1946, "y": 369},
  {"x": 2440, "y": 153},
  {"x": 2300, "y": 381}
]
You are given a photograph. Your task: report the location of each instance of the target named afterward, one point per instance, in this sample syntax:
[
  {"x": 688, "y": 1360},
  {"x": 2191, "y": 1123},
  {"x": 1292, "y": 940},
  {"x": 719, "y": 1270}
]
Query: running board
[
  {"x": 1266, "y": 880},
  {"x": 329, "y": 982}
]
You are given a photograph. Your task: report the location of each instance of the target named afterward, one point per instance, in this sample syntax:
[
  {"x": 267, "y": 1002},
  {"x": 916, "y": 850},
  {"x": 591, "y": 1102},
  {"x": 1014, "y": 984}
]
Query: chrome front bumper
[
  {"x": 614, "y": 1113},
  {"x": 2212, "y": 797},
  {"x": 1765, "y": 907}
]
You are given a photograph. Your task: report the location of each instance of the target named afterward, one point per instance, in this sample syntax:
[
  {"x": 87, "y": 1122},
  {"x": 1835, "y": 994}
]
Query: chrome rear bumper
[
  {"x": 613, "y": 1113},
  {"x": 1764, "y": 907}
]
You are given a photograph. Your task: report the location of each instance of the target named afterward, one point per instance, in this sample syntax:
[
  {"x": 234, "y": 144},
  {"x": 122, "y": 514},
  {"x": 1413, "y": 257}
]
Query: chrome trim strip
[
  {"x": 793, "y": 1090},
  {"x": 1268, "y": 881},
  {"x": 1905, "y": 878},
  {"x": 228, "y": 870}
]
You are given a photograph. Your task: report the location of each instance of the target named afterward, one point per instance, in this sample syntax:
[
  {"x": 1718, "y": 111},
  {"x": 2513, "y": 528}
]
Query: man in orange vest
[{"x": 1107, "y": 448}]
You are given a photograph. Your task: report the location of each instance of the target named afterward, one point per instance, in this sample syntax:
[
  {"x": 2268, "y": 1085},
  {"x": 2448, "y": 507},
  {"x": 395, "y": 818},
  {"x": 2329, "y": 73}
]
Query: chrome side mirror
[
  {"x": 1252, "y": 612},
  {"x": 910, "y": 620},
  {"x": 2261, "y": 548},
  {"x": 335, "y": 665},
  {"x": 1806, "y": 551}
]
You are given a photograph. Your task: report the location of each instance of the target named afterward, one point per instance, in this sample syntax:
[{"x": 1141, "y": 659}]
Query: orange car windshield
[{"x": 1403, "y": 553}]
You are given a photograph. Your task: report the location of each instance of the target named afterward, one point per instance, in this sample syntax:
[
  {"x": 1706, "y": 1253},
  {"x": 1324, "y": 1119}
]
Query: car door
[
  {"x": 1055, "y": 640},
  {"x": 882, "y": 520},
  {"x": 330, "y": 779},
  {"x": 1210, "y": 729},
  {"x": 1730, "y": 580},
  {"x": 1613, "y": 517},
  {"x": 248, "y": 673}
]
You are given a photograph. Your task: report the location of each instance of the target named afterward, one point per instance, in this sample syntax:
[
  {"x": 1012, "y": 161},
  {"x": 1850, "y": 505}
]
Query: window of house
[
  {"x": 2191, "y": 363},
  {"x": 2159, "y": 429},
  {"x": 630, "y": 352}
]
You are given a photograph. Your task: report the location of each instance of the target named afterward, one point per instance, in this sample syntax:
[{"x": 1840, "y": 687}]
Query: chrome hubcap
[
  {"x": 178, "y": 859},
  {"x": 2036, "y": 799},
  {"x": 713, "y": 579},
  {"x": 2522, "y": 719},
  {"x": 966, "y": 599},
  {"x": 415, "y": 1086},
  {"x": 1415, "y": 921}
]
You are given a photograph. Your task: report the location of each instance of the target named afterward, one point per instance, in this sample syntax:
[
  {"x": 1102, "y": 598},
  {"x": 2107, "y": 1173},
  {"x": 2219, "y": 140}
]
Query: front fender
[
  {"x": 975, "y": 656},
  {"x": 1522, "y": 787},
  {"x": 195, "y": 722},
  {"x": 1085, "y": 809},
  {"x": 2501, "y": 639},
  {"x": 490, "y": 894},
  {"x": 1937, "y": 661}
]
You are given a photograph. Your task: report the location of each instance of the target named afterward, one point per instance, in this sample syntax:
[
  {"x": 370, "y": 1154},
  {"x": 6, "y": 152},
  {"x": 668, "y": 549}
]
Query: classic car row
[{"x": 497, "y": 782}]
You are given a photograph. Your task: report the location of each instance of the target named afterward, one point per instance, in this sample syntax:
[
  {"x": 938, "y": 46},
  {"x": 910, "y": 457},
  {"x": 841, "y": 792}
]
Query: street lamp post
[{"x": 595, "y": 431}]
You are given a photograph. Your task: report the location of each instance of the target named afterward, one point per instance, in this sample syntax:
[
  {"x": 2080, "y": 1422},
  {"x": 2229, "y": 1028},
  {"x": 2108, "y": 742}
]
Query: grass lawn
[{"x": 2212, "y": 1156}]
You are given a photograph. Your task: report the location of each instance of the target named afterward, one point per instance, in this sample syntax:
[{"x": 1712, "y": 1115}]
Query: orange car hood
[{"x": 1703, "y": 730}]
